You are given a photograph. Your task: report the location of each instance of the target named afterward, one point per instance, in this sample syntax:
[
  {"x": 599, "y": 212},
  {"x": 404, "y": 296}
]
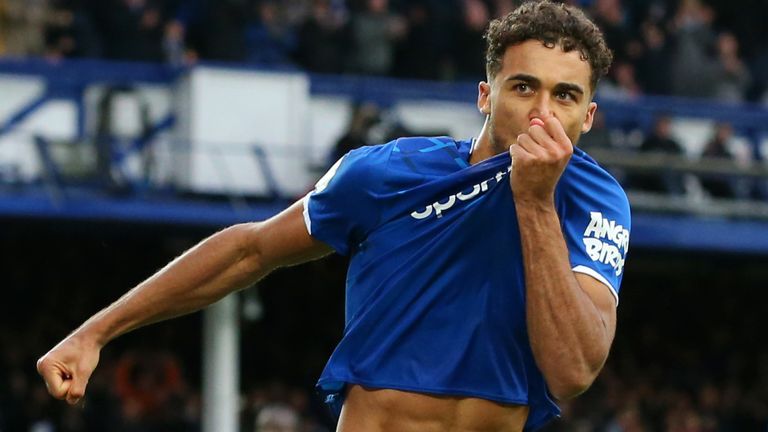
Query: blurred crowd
[
  {"x": 691, "y": 48},
  {"x": 697, "y": 48},
  {"x": 715, "y": 144}
]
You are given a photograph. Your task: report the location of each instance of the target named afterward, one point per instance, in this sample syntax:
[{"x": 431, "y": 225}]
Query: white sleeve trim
[
  {"x": 591, "y": 272},
  {"x": 307, "y": 220}
]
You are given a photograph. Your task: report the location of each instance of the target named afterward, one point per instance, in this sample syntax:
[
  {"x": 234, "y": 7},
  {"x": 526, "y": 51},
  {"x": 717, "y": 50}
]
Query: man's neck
[{"x": 482, "y": 148}]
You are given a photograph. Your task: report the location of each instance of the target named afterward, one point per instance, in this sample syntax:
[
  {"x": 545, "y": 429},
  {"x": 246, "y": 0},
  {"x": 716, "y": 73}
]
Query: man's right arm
[{"x": 229, "y": 260}]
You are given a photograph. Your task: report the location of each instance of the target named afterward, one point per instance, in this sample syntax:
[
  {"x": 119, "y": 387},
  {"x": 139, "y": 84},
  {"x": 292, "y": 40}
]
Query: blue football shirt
[{"x": 435, "y": 296}]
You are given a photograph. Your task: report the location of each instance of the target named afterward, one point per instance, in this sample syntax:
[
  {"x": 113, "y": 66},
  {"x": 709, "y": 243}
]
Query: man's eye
[
  {"x": 522, "y": 88},
  {"x": 565, "y": 96}
]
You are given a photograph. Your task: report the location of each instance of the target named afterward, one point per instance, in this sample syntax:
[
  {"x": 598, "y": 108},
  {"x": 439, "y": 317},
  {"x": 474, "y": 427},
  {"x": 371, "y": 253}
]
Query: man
[
  {"x": 660, "y": 141},
  {"x": 484, "y": 275}
]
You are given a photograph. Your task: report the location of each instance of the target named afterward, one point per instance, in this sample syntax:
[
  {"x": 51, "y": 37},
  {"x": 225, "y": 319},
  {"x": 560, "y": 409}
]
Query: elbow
[
  {"x": 573, "y": 375},
  {"x": 249, "y": 254},
  {"x": 568, "y": 387}
]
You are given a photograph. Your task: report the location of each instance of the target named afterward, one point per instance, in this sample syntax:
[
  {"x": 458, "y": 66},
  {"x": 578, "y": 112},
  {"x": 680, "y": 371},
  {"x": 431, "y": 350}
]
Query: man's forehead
[{"x": 550, "y": 64}]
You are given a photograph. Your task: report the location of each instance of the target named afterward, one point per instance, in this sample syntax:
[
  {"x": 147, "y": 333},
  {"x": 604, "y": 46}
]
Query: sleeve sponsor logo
[{"x": 606, "y": 241}]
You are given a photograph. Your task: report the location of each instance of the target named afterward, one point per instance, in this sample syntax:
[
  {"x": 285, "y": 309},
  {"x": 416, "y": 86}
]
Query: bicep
[
  {"x": 284, "y": 240},
  {"x": 603, "y": 299}
]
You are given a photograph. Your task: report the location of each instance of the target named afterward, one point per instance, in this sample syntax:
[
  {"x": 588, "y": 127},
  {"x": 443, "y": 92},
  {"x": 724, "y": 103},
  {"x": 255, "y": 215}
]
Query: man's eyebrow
[
  {"x": 569, "y": 87},
  {"x": 525, "y": 78}
]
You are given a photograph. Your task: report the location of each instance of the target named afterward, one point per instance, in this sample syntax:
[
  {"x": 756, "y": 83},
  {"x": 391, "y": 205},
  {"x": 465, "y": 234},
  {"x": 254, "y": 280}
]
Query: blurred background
[{"x": 131, "y": 129}]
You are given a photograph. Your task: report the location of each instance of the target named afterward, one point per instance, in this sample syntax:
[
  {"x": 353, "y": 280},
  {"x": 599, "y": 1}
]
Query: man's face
[{"x": 535, "y": 81}]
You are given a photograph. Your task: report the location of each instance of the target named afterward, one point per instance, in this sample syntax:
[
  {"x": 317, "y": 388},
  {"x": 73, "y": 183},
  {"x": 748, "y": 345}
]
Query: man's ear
[
  {"x": 484, "y": 97},
  {"x": 590, "y": 118}
]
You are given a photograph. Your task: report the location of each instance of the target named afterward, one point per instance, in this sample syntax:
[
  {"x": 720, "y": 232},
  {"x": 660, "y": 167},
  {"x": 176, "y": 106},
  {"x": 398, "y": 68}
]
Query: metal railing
[{"x": 754, "y": 173}]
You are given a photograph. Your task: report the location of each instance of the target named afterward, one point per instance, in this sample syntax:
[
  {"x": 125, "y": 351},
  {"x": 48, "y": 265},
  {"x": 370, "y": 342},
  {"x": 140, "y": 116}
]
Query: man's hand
[
  {"x": 67, "y": 367},
  {"x": 539, "y": 158}
]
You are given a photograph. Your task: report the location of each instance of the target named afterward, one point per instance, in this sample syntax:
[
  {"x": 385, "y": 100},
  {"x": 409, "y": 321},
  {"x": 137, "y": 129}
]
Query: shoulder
[
  {"x": 588, "y": 195},
  {"x": 372, "y": 155},
  {"x": 427, "y": 145},
  {"x": 430, "y": 156},
  {"x": 358, "y": 165},
  {"x": 403, "y": 160},
  {"x": 586, "y": 183}
]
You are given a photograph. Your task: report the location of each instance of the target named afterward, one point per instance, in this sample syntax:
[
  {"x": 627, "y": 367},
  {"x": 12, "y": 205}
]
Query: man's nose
[{"x": 541, "y": 107}]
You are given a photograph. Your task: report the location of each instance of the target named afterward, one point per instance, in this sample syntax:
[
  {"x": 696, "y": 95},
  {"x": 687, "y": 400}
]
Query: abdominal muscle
[{"x": 384, "y": 410}]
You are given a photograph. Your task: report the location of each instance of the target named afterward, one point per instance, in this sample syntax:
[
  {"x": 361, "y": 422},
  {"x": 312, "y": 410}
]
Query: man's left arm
[{"x": 571, "y": 317}]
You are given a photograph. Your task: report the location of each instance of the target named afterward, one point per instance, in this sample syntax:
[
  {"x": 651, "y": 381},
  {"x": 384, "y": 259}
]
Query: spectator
[
  {"x": 364, "y": 116},
  {"x": 717, "y": 148},
  {"x": 653, "y": 65},
  {"x": 468, "y": 45},
  {"x": 420, "y": 52},
  {"x": 69, "y": 32},
  {"x": 628, "y": 419},
  {"x": 175, "y": 50},
  {"x": 216, "y": 29},
  {"x": 659, "y": 141},
  {"x": 759, "y": 67},
  {"x": 609, "y": 16},
  {"x": 295, "y": 12},
  {"x": 148, "y": 384},
  {"x": 21, "y": 27},
  {"x": 733, "y": 77},
  {"x": 131, "y": 30},
  {"x": 269, "y": 41},
  {"x": 59, "y": 37},
  {"x": 374, "y": 32},
  {"x": 621, "y": 83},
  {"x": 321, "y": 43},
  {"x": 694, "y": 71}
]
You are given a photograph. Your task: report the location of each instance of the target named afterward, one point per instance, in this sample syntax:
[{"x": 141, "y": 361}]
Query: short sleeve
[
  {"x": 342, "y": 208},
  {"x": 596, "y": 225}
]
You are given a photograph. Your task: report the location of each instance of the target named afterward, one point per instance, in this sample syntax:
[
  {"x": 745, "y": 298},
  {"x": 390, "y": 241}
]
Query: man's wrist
[
  {"x": 534, "y": 203},
  {"x": 90, "y": 334}
]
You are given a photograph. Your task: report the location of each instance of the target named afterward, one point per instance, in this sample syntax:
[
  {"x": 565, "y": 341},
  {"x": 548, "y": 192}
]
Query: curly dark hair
[{"x": 552, "y": 24}]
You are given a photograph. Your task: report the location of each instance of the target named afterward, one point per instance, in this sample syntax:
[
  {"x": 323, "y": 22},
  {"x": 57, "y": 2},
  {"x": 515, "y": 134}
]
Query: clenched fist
[
  {"x": 67, "y": 368},
  {"x": 539, "y": 158}
]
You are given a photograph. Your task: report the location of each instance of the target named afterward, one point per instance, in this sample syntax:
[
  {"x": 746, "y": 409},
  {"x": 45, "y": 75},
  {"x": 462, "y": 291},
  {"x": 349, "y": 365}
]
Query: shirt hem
[
  {"x": 440, "y": 391},
  {"x": 592, "y": 272}
]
